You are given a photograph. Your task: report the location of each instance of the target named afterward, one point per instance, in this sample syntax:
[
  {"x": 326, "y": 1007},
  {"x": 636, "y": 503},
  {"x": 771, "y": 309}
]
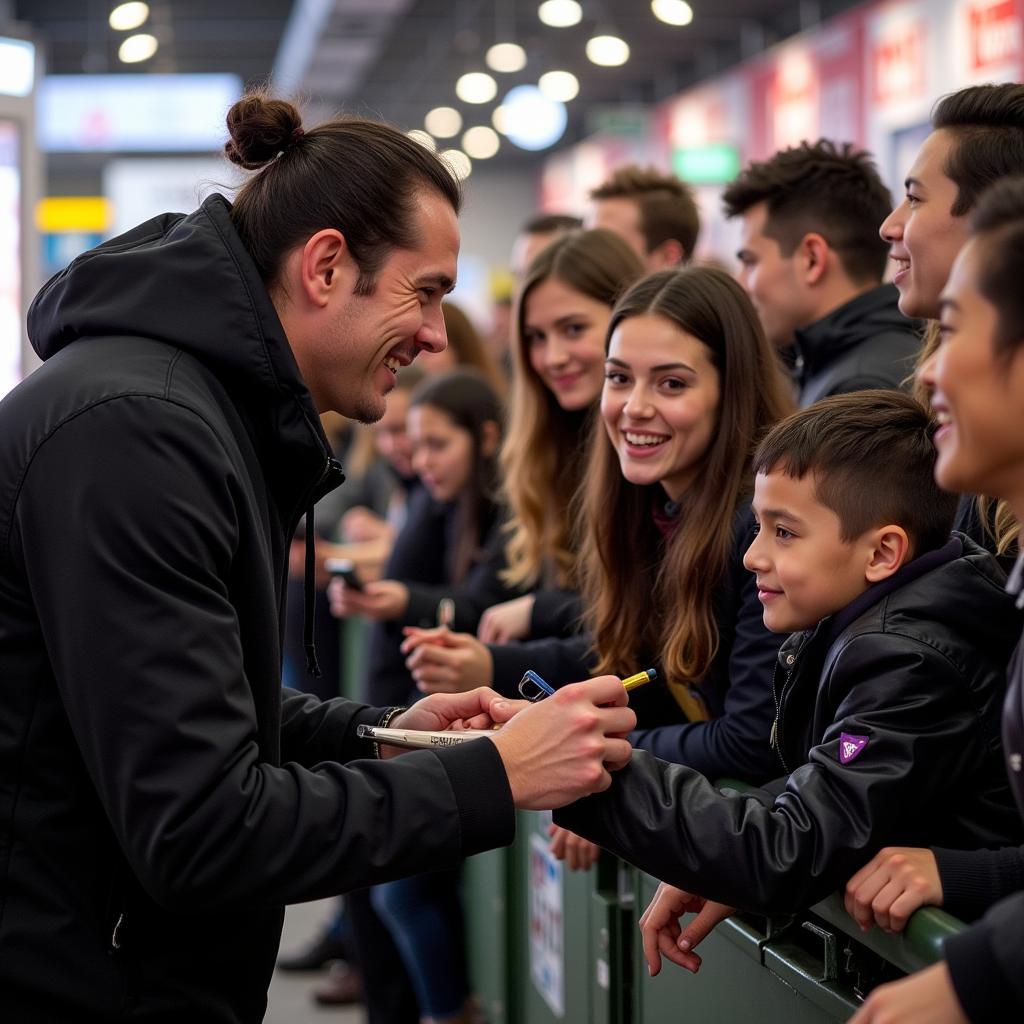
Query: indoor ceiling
[{"x": 397, "y": 59}]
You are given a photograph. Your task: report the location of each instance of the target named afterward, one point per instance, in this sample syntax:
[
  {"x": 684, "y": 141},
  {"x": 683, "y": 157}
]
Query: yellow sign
[{"x": 57, "y": 214}]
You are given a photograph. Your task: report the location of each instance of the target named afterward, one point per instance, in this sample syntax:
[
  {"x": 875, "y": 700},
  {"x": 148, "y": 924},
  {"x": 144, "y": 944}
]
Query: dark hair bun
[{"x": 260, "y": 128}]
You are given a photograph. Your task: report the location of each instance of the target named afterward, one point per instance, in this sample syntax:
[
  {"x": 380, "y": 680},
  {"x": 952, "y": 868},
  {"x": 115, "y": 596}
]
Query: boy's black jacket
[{"x": 919, "y": 673}]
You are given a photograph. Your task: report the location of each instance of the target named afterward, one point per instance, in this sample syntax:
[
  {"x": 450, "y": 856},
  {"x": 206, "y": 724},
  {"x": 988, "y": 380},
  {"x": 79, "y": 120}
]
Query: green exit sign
[{"x": 714, "y": 164}]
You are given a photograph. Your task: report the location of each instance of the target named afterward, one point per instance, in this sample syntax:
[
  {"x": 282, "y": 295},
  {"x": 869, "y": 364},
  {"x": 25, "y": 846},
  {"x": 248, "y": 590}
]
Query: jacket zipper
[
  {"x": 330, "y": 465},
  {"x": 776, "y": 725}
]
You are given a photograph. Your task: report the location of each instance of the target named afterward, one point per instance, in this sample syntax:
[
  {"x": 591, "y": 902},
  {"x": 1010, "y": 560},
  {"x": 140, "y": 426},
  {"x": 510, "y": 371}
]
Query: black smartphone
[{"x": 345, "y": 568}]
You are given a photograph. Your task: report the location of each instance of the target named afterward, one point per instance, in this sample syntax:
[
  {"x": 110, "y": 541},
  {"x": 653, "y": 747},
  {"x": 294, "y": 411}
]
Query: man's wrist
[{"x": 383, "y": 723}]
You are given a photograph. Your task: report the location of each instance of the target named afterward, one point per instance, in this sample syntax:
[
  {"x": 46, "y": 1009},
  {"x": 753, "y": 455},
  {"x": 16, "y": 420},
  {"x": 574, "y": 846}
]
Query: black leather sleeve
[{"x": 670, "y": 821}]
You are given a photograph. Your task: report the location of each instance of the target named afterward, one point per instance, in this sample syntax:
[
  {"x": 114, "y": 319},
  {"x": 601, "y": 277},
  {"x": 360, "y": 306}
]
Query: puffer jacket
[
  {"x": 887, "y": 728},
  {"x": 161, "y": 798}
]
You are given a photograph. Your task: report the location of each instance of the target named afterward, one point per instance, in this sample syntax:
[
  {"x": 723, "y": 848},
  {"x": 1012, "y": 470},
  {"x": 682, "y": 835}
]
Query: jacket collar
[
  {"x": 824, "y": 341},
  {"x": 913, "y": 570},
  {"x": 831, "y": 627}
]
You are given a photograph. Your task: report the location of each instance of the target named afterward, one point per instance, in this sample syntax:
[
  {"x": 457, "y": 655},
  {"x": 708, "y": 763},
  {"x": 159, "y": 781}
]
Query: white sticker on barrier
[{"x": 546, "y": 925}]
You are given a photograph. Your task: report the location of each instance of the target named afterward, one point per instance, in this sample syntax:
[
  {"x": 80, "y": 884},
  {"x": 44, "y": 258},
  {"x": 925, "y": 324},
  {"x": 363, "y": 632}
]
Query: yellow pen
[{"x": 632, "y": 682}]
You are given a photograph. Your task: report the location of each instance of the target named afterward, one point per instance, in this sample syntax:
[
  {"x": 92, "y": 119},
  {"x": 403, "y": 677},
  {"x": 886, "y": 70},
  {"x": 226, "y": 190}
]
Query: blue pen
[{"x": 533, "y": 687}]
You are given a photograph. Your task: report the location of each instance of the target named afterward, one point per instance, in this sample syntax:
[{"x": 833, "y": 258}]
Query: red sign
[
  {"x": 898, "y": 71},
  {"x": 995, "y": 34}
]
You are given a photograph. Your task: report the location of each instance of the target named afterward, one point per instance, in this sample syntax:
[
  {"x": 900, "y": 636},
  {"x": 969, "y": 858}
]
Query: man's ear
[
  {"x": 324, "y": 261},
  {"x": 814, "y": 252},
  {"x": 667, "y": 255},
  {"x": 890, "y": 549}
]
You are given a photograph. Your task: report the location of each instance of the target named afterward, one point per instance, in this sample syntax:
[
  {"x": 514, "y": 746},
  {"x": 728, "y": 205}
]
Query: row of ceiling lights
[
  {"x": 532, "y": 117},
  {"x": 140, "y": 46}
]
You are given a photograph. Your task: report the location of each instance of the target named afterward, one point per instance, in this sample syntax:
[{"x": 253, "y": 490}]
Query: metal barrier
[{"x": 547, "y": 945}]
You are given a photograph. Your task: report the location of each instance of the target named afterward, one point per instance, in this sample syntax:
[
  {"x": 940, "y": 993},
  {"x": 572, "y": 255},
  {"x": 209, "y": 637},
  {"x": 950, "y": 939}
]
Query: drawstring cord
[{"x": 312, "y": 665}]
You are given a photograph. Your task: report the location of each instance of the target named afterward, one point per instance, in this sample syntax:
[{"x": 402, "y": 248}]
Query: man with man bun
[{"x": 161, "y": 797}]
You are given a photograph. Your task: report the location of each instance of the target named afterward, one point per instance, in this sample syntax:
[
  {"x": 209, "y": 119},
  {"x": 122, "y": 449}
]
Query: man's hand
[
  {"x": 503, "y": 623},
  {"x": 383, "y": 600},
  {"x": 563, "y": 747},
  {"x": 891, "y": 886},
  {"x": 927, "y": 997},
  {"x": 578, "y": 853},
  {"x": 663, "y": 935},
  {"x": 445, "y": 711},
  {"x": 445, "y": 662}
]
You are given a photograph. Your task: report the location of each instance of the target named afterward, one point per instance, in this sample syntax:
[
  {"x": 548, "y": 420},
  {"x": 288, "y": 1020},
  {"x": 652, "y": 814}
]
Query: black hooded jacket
[
  {"x": 161, "y": 797},
  {"x": 865, "y": 343},
  {"x": 888, "y": 727},
  {"x": 986, "y": 963}
]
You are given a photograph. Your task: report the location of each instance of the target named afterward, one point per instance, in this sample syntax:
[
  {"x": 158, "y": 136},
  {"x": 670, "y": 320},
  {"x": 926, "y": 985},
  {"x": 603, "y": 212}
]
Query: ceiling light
[
  {"x": 608, "y": 51},
  {"x": 481, "y": 143},
  {"x": 125, "y": 17},
  {"x": 561, "y": 86},
  {"x": 499, "y": 120},
  {"x": 531, "y": 120},
  {"x": 507, "y": 57},
  {"x": 443, "y": 122},
  {"x": 423, "y": 138},
  {"x": 672, "y": 12},
  {"x": 476, "y": 87},
  {"x": 560, "y": 13},
  {"x": 136, "y": 48},
  {"x": 460, "y": 164}
]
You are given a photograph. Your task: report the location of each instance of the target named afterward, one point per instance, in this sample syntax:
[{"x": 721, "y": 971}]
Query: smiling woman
[
  {"x": 563, "y": 312},
  {"x": 691, "y": 383}
]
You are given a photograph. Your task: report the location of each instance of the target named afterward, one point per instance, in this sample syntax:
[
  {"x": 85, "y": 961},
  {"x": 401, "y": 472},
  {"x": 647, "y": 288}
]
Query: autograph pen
[
  {"x": 419, "y": 739},
  {"x": 632, "y": 682},
  {"x": 534, "y": 688}
]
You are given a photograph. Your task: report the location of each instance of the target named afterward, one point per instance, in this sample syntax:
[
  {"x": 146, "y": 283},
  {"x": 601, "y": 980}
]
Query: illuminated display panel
[
  {"x": 10, "y": 256},
  {"x": 135, "y": 113}
]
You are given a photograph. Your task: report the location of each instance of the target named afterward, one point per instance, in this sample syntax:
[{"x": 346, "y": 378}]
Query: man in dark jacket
[
  {"x": 161, "y": 798},
  {"x": 812, "y": 262},
  {"x": 888, "y": 697}
]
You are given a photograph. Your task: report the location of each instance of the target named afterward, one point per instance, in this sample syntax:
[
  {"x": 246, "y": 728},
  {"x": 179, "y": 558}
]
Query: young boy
[{"x": 888, "y": 692}]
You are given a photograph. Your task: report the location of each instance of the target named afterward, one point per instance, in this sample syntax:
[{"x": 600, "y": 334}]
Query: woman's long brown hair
[
  {"x": 651, "y": 598},
  {"x": 542, "y": 457}
]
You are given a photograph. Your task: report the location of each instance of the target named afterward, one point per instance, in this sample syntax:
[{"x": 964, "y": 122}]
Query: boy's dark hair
[
  {"x": 873, "y": 462},
  {"x": 818, "y": 186},
  {"x": 668, "y": 211},
  {"x": 360, "y": 177},
  {"x": 987, "y": 122},
  {"x": 550, "y": 224},
  {"x": 998, "y": 225}
]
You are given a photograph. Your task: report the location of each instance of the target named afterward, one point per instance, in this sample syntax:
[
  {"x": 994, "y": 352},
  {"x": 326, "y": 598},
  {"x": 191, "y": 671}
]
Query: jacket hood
[
  {"x": 864, "y": 317},
  {"x": 186, "y": 280}
]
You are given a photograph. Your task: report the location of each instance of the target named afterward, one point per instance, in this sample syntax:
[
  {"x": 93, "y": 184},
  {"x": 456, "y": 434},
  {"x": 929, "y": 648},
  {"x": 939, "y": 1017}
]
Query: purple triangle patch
[{"x": 850, "y": 746}]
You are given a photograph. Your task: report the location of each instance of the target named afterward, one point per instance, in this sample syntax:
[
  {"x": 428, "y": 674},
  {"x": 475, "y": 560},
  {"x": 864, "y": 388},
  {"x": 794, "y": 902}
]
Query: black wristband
[{"x": 383, "y": 724}]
